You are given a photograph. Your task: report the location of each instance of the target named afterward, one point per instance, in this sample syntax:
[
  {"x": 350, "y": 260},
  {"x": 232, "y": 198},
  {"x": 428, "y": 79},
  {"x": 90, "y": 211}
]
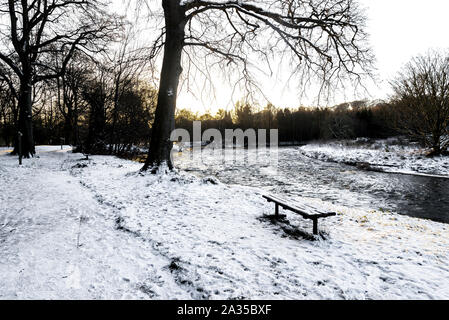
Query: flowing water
[{"x": 296, "y": 175}]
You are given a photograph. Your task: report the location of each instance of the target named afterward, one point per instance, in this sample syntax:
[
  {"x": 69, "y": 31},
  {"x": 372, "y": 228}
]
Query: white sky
[
  {"x": 399, "y": 29},
  {"x": 402, "y": 29}
]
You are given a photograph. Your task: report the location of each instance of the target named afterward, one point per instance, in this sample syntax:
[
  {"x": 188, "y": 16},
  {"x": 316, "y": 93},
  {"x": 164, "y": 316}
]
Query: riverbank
[
  {"x": 391, "y": 155},
  {"x": 97, "y": 229}
]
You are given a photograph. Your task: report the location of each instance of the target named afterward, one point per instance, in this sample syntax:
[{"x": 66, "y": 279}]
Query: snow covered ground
[
  {"x": 98, "y": 229},
  {"x": 385, "y": 155}
]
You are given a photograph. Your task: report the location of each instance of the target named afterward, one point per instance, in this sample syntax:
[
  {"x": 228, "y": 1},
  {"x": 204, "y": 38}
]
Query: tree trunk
[
  {"x": 113, "y": 136},
  {"x": 5, "y": 128},
  {"x": 68, "y": 128},
  {"x": 76, "y": 133},
  {"x": 436, "y": 149},
  {"x": 164, "y": 121},
  {"x": 25, "y": 125},
  {"x": 95, "y": 143}
]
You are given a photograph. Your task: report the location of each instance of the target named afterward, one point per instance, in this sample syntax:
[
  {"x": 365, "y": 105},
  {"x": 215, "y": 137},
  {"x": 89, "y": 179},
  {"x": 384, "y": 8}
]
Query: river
[{"x": 295, "y": 175}]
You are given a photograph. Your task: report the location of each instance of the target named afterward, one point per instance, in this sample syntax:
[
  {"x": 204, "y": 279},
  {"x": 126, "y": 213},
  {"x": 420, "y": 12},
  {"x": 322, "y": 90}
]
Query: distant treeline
[
  {"x": 348, "y": 120},
  {"x": 98, "y": 118}
]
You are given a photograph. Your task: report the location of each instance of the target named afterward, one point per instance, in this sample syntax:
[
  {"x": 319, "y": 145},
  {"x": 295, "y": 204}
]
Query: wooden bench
[{"x": 306, "y": 211}]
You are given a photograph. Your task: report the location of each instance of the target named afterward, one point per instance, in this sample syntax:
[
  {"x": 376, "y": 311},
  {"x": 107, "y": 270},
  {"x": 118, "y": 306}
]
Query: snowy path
[
  {"x": 40, "y": 257},
  {"x": 175, "y": 236}
]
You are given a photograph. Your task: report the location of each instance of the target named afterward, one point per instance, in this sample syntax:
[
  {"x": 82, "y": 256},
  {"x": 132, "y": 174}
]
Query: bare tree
[
  {"x": 324, "y": 40},
  {"x": 72, "y": 104},
  {"x": 422, "y": 100},
  {"x": 36, "y": 31},
  {"x": 127, "y": 64},
  {"x": 8, "y": 112},
  {"x": 8, "y": 103}
]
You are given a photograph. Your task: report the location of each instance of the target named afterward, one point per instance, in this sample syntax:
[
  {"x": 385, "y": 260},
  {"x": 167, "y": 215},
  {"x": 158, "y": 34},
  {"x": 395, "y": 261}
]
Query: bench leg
[
  {"x": 315, "y": 226},
  {"x": 276, "y": 211}
]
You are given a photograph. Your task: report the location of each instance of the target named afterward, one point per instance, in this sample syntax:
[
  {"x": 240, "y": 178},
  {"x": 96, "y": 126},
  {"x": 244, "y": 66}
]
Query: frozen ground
[
  {"x": 97, "y": 229},
  {"x": 384, "y": 155}
]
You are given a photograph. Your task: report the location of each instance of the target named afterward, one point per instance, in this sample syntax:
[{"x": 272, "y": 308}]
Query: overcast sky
[
  {"x": 402, "y": 29},
  {"x": 399, "y": 29}
]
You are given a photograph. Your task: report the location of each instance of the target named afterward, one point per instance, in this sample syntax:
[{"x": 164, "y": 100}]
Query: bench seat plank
[{"x": 306, "y": 211}]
